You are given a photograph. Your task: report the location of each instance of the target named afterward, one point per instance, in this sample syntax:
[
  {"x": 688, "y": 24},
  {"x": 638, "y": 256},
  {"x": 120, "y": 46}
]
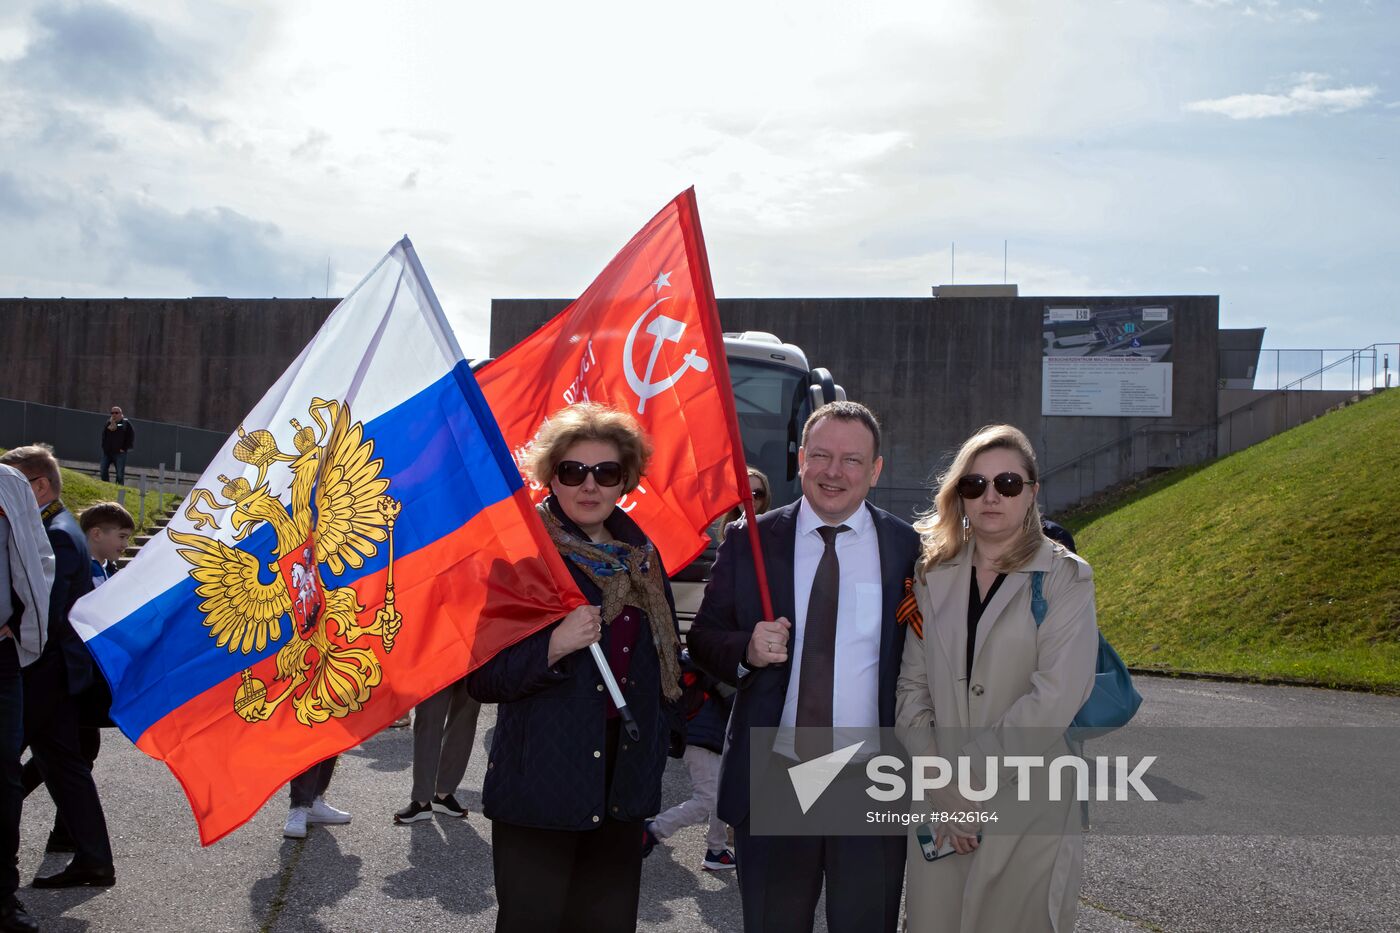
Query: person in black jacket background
[
  {"x": 566, "y": 790},
  {"x": 118, "y": 437}
]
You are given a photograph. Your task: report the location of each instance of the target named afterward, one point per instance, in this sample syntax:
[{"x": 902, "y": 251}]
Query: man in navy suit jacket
[
  {"x": 52, "y": 684},
  {"x": 781, "y": 877}
]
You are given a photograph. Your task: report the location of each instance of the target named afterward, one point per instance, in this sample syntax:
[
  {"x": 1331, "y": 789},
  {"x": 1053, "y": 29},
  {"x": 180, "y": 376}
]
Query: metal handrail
[
  {"x": 1297, "y": 384},
  {"x": 1351, "y": 357}
]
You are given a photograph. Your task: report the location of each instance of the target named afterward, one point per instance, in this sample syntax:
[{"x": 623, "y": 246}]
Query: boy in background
[{"x": 109, "y": 528}]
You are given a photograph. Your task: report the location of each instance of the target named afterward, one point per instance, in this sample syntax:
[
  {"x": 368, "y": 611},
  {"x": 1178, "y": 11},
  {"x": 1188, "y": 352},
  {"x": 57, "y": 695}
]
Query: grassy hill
[
  {"x": 81, "y": 490},
  {"x": 1281, "y": 561}
]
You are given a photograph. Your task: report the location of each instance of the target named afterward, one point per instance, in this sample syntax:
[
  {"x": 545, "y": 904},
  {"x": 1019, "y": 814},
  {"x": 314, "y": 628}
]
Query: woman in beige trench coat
[{"x": 981, "y": 546}]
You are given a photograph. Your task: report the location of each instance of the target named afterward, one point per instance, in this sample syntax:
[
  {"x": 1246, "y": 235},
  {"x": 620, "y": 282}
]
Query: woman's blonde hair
[
  {"x": 942, "y": 527},
  {"x": 590, "y": 421}
]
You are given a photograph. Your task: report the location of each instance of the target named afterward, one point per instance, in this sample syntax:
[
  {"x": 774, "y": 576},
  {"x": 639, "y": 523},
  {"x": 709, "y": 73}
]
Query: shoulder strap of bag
[{"x": 1038, "y": 604}]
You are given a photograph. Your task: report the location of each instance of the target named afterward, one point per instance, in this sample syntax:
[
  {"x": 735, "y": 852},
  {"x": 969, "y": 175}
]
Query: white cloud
[
  {"x": 1306, "y": 96},
  {"x": 233, "y": 148},
  {"x": 1270, "y": 11}
]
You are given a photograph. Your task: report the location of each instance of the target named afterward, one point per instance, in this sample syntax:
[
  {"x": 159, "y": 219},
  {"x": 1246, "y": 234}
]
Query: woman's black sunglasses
[
  {"x": 1006, "y": 484},
  {"x": 573, "y": 473}
]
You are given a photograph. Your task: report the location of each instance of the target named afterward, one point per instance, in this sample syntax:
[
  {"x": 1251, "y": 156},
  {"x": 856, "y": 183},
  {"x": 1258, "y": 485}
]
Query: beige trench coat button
[{"x": 977, "y": 690}]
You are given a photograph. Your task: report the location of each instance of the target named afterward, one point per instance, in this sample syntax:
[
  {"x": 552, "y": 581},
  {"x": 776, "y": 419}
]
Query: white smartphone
[{"x": 931, "y": 852}]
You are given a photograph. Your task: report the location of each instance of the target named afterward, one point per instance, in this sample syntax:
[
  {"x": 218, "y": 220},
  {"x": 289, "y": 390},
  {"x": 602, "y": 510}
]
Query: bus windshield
[{"x": 771, "y": 402}]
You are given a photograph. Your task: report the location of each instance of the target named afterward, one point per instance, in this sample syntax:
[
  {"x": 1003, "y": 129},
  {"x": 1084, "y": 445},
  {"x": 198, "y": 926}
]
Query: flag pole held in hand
[{"x": 629, "y": 722}]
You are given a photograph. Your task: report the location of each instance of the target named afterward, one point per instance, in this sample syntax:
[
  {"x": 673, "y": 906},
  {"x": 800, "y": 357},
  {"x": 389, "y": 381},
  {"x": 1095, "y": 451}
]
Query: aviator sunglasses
[
  {"x": 573, "y": 473},
  {"x": 1006, "y": 484}
]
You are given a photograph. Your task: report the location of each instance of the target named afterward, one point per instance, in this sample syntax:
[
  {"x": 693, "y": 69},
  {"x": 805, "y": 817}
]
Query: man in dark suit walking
[
  {"x": 837, "y": 567},
  {"x": 53, "y": 683}
]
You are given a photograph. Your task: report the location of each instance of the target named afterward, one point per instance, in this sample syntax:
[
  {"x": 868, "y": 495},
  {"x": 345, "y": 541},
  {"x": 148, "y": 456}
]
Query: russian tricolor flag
[{"x": 361, "y": 542}]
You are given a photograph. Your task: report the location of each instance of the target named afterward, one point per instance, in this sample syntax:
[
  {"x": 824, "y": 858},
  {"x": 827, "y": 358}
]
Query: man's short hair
[
  {"x": 844, "y": 411},
  {"x": 34, "y": 461},
  {"x": 106, "y": 515}
]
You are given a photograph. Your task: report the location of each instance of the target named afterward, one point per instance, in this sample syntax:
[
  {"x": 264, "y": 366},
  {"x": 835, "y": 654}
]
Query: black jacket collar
[{"x": 618, "y": 524}]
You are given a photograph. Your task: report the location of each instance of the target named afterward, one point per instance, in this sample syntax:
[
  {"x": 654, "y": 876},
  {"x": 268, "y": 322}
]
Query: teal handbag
[{"x": 1114, "y": 700}]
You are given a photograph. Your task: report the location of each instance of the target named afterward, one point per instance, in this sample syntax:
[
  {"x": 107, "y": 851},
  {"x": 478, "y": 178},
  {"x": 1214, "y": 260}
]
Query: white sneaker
[
  {"x": 322, "y": 812},
  {"x": 296, "y": 823}
]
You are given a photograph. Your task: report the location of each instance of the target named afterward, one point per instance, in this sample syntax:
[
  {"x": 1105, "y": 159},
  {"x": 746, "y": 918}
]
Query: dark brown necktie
[{"x": 817, "y": 678}]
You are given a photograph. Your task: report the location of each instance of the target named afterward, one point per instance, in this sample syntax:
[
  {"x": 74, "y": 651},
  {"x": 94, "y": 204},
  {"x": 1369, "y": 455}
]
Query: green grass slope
[
  {"x": 1279, "y": 562},
  {"x": 81, "y": 490}
]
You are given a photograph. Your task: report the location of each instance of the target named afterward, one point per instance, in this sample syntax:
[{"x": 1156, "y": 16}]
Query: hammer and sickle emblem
[{"x": 663, "y": 329}]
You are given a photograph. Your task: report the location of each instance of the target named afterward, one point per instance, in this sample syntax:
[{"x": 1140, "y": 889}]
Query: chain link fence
[{"x": 76, "y": 437}]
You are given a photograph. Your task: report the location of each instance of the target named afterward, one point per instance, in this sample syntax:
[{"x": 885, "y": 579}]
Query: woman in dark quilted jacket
[{"x": 567, "y": 791}]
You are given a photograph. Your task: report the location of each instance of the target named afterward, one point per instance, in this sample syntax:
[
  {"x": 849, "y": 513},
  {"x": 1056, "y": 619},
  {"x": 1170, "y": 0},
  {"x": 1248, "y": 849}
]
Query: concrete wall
[
  {"x": 935, "y": 370},
  {"x": 1248, "y": 416},
  {"x": 202, "y": 362}
]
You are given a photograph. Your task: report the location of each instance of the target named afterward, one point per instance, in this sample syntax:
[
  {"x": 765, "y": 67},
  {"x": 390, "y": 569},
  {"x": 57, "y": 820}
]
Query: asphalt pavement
[{"x": 373, "y": 875}]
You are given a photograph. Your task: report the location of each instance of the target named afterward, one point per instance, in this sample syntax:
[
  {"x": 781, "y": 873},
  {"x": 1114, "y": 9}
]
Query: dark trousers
[
  {"x": 109, "y": 460},
  {"x": 780, "y": 881},
  {"x": 558, "y": 880},
  {"x": 51, "y": 730},
  {"x": 89, "y": 743},
  {"x": 11, "y": 744},
  {"x": 444, "y": 730},
  {"x": 311, "y": 783}
]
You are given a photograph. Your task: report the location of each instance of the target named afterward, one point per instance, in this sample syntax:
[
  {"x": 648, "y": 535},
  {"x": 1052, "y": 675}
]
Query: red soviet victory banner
[{"x": 644, "y": 338}]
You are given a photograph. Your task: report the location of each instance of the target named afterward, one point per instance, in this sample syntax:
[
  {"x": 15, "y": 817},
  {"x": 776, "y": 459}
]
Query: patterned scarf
[{"x": 628, "y": 576}]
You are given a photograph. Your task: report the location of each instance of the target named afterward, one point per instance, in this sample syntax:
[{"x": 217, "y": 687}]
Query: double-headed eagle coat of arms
[{"x": 336, "y": 516}]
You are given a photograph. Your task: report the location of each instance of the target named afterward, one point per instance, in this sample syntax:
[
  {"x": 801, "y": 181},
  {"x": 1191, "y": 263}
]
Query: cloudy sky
[{"x": 1246, "y": 148}]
